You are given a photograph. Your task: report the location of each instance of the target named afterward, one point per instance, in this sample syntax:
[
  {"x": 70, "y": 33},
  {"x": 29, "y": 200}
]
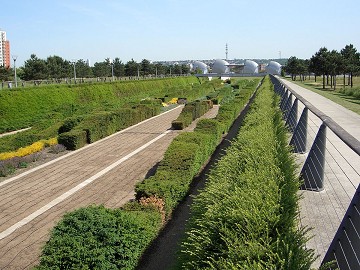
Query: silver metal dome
[
  {"x": 200, "y": 65},
  {"x": 220, "y": 67},
  {"x": 251, "y": 67},
  {"x": 273, "y": 68}
]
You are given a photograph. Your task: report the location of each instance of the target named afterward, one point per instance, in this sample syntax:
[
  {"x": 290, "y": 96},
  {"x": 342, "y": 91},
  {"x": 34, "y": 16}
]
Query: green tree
[
  {"x": 57, "y": 67},
  {"x": 319, "y": 63},
  {"x": 131, "y": 68},
  {"x": 119, "y": 68},
  {"x": 185, "y": 69},
  {"x": 292, "y": 67},
  {"x": 335, "y": 66},
  {"x": 83, "y": 70},
  {"x": 159, "y": 69},
  {"x": 6, "y": 74},
  {"x": 102, "y": 69},
  {"x": 35, "y": 69},
  {"x": 146, "y": 67},
  {"x": 351, "y": 62},
  {"x": 177, "y": 69}
]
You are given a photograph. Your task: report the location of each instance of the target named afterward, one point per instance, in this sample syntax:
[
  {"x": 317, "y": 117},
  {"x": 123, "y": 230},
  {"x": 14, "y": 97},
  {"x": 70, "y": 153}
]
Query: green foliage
[
  {"x": 24, "y": 107},
  {"x": 246, "y": 216},
  {"x": 190, "y": 112},
  {"x": 100, "y": 238},
  {"x": 73, "y": 139},
  {"x": 185, "y": 156}
]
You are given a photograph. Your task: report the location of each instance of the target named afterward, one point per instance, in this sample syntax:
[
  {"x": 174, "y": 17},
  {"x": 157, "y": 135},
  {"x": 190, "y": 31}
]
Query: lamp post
[
  {"x": 74, "y": 62},
  {"x": 14, "y": 57},
  {"x": 112, "y": 69}
]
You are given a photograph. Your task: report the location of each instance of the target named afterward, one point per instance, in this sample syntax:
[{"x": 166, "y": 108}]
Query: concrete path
[
  {"x": 323, "y": 211},
  {"x": 104, "y": 172}
]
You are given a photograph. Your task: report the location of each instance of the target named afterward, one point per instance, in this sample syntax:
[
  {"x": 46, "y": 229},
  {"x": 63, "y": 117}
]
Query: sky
[{"x": 165, "y": 30}]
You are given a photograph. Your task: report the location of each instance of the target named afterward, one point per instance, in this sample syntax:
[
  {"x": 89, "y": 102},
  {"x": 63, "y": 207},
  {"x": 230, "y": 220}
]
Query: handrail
[{"x": 345, "y": 136}]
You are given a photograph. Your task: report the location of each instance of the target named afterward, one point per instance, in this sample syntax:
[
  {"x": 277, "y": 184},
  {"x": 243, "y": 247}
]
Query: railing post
[
  {"x": 299, "y": 138},
  {"x": 284, "y": 98},
  {"x": 345, "y": 247},
  {"x": 287, "y": 106},
  {"x": 313, "y": 170},
  {"x": 292, "y": 117}
]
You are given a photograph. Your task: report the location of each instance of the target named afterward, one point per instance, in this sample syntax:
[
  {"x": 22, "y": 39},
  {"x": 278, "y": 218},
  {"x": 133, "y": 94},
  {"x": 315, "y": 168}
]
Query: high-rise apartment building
[{"x": 4, "y": 50}]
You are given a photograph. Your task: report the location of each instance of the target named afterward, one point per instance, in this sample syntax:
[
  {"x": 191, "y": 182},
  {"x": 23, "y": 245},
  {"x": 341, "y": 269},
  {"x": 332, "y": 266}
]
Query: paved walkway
[
  {"x": 104, "y": 172},
  {"x": 323, "y": 211}
]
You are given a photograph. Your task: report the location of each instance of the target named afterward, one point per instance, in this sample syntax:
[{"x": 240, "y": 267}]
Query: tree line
[
  {"x": 328, "y": 64},
  {"x": 55, "y": 67}
]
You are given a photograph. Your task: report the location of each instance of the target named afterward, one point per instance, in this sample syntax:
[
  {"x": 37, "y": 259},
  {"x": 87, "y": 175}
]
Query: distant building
[
  {"x": 220, "y": 67},
  {"x": 273, "y": 68},
  {"x": 251, "y": 67},
  {"x": 202, "y": 67},
  {"x": 4, "y": 50}
]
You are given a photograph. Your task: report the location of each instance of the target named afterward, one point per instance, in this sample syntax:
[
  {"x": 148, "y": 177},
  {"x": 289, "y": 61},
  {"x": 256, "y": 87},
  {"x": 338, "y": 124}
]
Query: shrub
[
  {"x": 100, "y": 238},
  {"x": 246, "y": 216},
  {"x": 190, "y": 112},
  {"x": 73, "y": 139}
]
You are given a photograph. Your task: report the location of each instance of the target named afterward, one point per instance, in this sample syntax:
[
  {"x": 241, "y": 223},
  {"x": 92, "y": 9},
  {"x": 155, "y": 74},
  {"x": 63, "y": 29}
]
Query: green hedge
[
  {"x": 184, "y": 158},
  {"x": 100, "y": 238},
  {"x": 45, "y": 108},
  {"x": 246, "y": 217},
  {"x": 21, "y": 108},
  {"x": 190, "y": 112},
  {"x": 102, "y": 124}
]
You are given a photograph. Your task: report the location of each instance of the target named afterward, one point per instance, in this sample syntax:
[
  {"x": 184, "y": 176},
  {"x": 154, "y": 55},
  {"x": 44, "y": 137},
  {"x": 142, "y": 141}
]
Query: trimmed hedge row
[
  {"x": 163, "y": 191},
  {"x": 81, "y": 98},
  {"x": 99, "y": 125},
  {"x": 190, "y": 112},
  {"x": 98, "y": 238},
  {"x": 46, "y": 108},
  {"x": 246, "y": 217},
  {"x": 185, "y": 157}
]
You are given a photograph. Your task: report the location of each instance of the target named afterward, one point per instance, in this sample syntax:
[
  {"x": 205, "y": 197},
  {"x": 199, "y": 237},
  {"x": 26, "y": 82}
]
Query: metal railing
[{"x": 329, "y": 158}]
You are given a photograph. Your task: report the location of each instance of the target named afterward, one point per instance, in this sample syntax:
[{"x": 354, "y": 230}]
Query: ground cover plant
[
  {"x": 246, "y": 217},
  {"x": 184, "y": 158}
]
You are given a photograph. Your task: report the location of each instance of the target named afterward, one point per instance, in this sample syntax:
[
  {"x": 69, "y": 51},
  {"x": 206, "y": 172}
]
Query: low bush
[
  {"x": 100, "y": 238},
  {"x": 33, "y": 148},
  {"x": 73, "y": 139},
  {"x": 190, "y": 112}
]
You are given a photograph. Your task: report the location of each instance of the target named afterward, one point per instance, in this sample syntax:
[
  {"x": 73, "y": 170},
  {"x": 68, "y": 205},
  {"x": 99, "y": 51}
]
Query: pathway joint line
[{"x": 70, "y": 192}]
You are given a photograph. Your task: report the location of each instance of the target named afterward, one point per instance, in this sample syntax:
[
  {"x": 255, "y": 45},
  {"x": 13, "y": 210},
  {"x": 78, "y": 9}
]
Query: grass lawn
[{"x": 342, "y": 99}]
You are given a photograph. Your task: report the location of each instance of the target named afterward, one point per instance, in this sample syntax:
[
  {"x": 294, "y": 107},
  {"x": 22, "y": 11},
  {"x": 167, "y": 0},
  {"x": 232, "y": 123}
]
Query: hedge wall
[
  {"x": 246, "y": 217},
  {"x": 184, "y": 158}
]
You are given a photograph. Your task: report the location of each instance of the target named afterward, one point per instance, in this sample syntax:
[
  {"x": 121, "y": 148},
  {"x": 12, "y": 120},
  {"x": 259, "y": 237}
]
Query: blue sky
[{"x": 178, "y": 29}]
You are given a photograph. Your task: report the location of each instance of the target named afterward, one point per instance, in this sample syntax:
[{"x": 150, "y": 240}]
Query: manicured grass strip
[{"x": 246, "y": 217}]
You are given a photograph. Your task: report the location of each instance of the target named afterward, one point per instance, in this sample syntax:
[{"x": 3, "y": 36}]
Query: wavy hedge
[
  {"x": 21, "y": 108},
  {"x": 246, "y": 217},
  {"x": 190, "y": 112},
  {"x": 46, "y": 108},
  {"x": 184, "y": 158}
]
